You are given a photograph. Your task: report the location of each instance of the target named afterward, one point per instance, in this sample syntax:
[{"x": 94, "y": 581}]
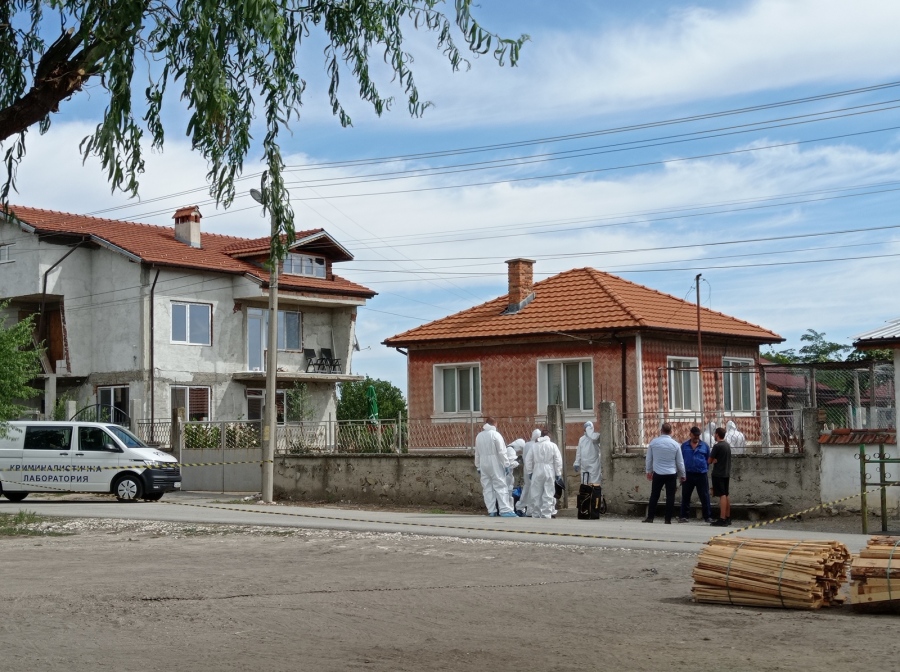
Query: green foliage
[
  {"x": 352, "y": 402},
  {"x": 300, "y": 404},
  {"x": 202, "y": 437},
  {"x": 19, "y": 364},
  {"x": 880, "y": 355},
  {"x": 222, "y": 59},
  {"x": 24, "y": 524},
  {"x": 60, "y": 408},
  {"x": 816, "y": 350}
]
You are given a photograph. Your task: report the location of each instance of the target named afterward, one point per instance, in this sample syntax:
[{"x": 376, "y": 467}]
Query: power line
[{"x": 535, "y": 141}]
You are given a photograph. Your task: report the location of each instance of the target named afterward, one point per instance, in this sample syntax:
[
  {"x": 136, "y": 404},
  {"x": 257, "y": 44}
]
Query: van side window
[
  {"x": 47, "y": 438},
  {"x": 94, "y": 438}
]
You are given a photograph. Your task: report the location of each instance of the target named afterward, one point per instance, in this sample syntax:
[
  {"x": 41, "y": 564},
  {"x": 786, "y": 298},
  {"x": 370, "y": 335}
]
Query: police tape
[
  {"x": 795, "y": 514},
  {"x": 510, "y": 530},
  {"x": 169, "y": 465}
]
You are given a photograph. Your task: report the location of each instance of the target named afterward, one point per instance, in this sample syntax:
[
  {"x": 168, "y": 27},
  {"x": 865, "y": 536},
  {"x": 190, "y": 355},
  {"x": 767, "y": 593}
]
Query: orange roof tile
[
  {"x": 582, "y": 300},
  {"x": 157, "y": 245}
]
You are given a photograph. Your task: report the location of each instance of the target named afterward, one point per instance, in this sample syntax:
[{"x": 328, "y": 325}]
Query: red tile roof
[
  {"x": 157, "y": 245},
  {"x": 582, "y": 300}
]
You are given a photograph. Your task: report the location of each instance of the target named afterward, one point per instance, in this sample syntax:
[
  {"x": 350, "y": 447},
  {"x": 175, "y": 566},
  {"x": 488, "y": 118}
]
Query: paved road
[{"x": 200, "y": 508}]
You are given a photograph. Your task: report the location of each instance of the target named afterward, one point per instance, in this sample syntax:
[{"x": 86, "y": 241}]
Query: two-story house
[{"x": 146, "y": 319}]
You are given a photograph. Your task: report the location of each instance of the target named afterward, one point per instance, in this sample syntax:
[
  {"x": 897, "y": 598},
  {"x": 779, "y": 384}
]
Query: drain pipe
[
  {"x": 152, "y": 361},
  {"x": 44, "y": 289}
]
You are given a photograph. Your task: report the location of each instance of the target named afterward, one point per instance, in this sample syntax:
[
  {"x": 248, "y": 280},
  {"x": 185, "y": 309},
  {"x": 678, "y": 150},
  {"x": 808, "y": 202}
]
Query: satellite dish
[{"x": 256, "y": 195}]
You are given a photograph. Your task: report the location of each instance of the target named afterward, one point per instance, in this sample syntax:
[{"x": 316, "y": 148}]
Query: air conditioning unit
[{"x": 61, "y": 366}]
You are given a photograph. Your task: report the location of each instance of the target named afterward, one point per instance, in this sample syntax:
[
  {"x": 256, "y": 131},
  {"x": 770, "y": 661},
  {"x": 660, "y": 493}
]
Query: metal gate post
[
  {"x": 863, "y": 509},
  {"x": 881, "y": 472}
]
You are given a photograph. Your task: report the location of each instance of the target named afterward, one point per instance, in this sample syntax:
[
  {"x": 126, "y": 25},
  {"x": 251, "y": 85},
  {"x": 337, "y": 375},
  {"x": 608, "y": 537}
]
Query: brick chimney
[
  {"x": 187, "y": 225},
  {"x": 521, "y": 284}
]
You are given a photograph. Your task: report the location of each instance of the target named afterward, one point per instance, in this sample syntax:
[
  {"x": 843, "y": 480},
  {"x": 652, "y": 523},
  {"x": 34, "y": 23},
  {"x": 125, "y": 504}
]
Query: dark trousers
[
  {"x": 699, "y": 481},
  {"x": 660, "y": 480}
]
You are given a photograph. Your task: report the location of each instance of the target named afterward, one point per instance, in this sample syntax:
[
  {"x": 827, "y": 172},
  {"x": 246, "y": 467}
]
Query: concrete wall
[
  {"x": 422, "y": 480},
  {"x": 841, "y": 478}
]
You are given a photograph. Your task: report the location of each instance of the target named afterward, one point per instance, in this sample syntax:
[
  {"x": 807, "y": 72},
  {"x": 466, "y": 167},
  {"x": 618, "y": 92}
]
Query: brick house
[
  {"x": 145, "y": 319},
  {"x": 578, "y": 338}
]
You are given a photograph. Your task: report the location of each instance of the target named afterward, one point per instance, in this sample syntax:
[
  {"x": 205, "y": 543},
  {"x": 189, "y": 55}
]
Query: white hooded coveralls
[
  {"x": 734, "y": 437},
  {"x": 587, "y": 457},
  {"x": 511, "y": 456},
  {"x": 492, "y": 462},
  {"x": 525, "y": 500},
  {"x": 544, "y": 463}
]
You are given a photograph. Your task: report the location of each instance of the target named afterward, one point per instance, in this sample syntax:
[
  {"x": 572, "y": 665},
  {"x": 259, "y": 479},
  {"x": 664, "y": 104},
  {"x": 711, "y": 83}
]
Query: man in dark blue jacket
[{"x": 696, "y": 460}]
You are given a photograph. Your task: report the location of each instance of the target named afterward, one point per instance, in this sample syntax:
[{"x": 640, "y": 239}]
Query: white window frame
[
  {"x": 748, "y": 368},
  {"x": 282, "y": 330},
  {"x": 474, "y": 391},
  {"x": 672, "y": 377},
  {"x": 187, "y": 399},
  {"x": 585, "y": 375},
  {"x": 310, "y": 265},
  {"x": 189, "y": 306},
  {"x": 5, "y": 253}
]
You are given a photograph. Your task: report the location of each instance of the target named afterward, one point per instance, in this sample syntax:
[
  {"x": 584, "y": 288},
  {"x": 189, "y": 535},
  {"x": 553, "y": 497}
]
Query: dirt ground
[{"x": 135, "y": 595}]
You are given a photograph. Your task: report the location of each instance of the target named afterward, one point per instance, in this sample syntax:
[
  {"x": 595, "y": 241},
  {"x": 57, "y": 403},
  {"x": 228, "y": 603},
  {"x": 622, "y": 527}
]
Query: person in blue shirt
[{"x": 696, "y": 464}]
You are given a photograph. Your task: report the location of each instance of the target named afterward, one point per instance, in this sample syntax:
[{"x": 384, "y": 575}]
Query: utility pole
[
  {"x": 699, "y": 351},
  {"x": 271, "y": 417}
]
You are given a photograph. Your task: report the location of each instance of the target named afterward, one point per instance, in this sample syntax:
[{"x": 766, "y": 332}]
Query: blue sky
[{"x": 768, "y": 204}]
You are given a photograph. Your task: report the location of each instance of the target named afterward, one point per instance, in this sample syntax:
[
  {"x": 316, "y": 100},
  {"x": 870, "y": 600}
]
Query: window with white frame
[
  {"x": 304, "y": 264},
  {"x": 256, "y": 404},
  {"x": 290, "y": 335},
  {"x": 194, "y": 401},
  {"x": 569, "y": 383},
  {"x": 457, "y": 388},
  {"x": 737, "y": 381},
  {"x": 6, "y": 253},
  {"x": 192, "y": 323},
  {"x": 684, "y": 384}
]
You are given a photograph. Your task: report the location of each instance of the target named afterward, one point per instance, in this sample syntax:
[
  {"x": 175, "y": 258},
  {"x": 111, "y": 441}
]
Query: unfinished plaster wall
[{"x": 420, "y": 480}]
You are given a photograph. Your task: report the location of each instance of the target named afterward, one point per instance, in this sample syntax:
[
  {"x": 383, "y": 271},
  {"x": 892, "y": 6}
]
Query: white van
[{"x": 43, "y": 456}]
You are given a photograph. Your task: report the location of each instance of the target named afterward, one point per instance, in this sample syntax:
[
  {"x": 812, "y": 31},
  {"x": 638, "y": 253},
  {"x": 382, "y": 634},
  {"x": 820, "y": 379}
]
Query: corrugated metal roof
[{"x": 882, "y": 335}]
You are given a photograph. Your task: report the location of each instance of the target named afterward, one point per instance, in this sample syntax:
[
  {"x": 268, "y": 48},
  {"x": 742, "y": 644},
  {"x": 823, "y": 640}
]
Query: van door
[
  {"x": 11, "y": 457},
  {"x": 46, "y": 460},
  {"x": 97, "y": 457}
]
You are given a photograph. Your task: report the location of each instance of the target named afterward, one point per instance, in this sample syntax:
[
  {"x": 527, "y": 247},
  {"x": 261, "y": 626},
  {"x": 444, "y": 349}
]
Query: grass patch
[
  {"x": 22, "y": 524},
  {"x": 437, "y": 511}
]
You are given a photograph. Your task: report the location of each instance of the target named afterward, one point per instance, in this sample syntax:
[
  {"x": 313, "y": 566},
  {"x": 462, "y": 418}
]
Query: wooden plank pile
[
  {"x": 875, "y": 576},
  {"x": 771, "y": 573}
]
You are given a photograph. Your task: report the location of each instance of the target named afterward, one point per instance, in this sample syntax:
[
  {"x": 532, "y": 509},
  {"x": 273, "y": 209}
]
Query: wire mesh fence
[{"x": 765, "y": 431}]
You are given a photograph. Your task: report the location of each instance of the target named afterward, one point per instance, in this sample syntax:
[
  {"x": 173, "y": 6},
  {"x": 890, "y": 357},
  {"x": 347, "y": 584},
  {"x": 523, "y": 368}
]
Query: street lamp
[{"x": 268, "y": 466}]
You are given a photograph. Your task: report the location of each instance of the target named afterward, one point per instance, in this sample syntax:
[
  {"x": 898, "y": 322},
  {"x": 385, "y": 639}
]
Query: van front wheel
[
  {"x": 15, "y": 496},
  {"x": 128, "y": 488}
]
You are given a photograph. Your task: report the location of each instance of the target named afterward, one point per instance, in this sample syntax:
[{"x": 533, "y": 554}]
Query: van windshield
[{"x": 126, "y": 437}]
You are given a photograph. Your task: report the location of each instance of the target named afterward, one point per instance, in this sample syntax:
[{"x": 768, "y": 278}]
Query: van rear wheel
[
  {"x": 15, "y": 496},
  {"x": 128, "y": 488}
]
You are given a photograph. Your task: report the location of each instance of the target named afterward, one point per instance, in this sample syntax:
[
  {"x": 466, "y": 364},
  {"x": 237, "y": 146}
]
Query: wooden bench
[{"x": 753, "y": 510}]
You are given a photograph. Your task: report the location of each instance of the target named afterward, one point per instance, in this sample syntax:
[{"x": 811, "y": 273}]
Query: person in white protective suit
[
  {"x": 735, "y": 437},
  {"x": 542, "y": 466},
  {"x": 709, "y": 434},
  {"x": 524, "y": 503},
  {"x": 587, "y": 456},
  {"x": 492, "y": 464},
  {"x": 512, "y": 454}
]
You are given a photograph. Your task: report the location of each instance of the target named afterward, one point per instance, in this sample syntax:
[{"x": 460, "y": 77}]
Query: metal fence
[
  {"x": 854, "y": 395},
  {"x": 428, "y": 434},
  {"x": 761, "y": 431}
]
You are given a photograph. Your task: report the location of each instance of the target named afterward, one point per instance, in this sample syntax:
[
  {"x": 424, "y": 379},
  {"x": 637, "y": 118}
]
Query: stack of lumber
[
  {"x": 771, "y": 573},
  {"x": 875, "y": 575}
]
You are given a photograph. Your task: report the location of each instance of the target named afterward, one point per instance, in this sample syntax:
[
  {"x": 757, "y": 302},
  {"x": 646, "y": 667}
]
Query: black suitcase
[{"x": 590, "y": 499}]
